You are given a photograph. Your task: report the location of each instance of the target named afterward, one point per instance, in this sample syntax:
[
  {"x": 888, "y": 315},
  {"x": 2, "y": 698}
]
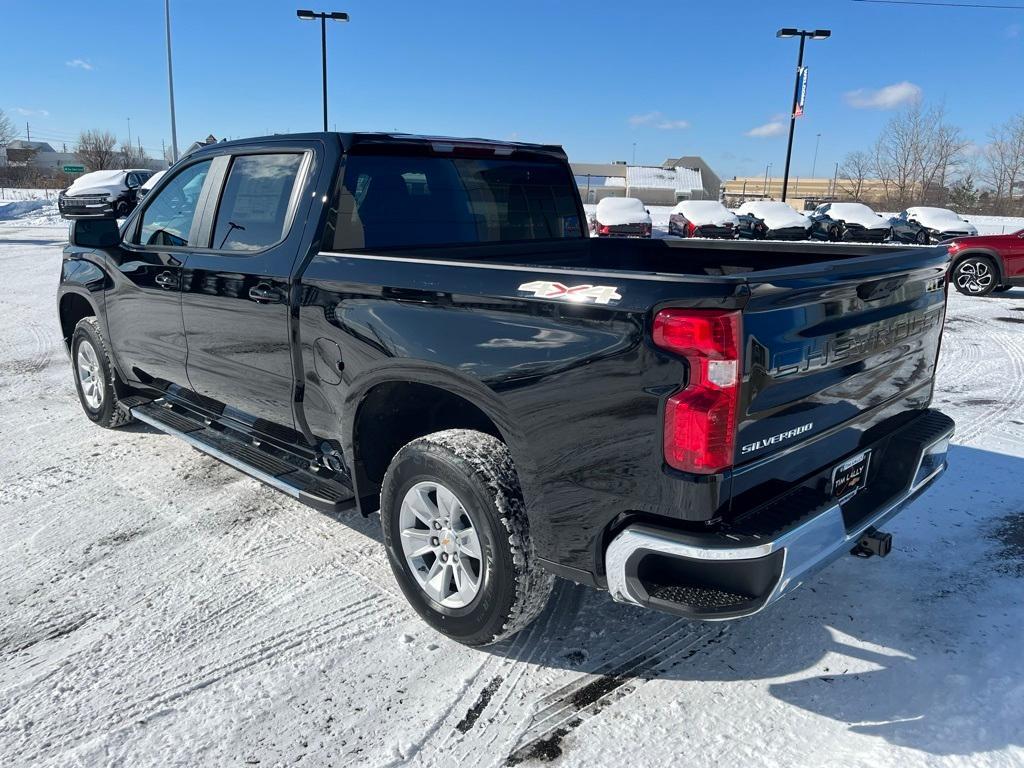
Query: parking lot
[{"x": 157, "y": 606}]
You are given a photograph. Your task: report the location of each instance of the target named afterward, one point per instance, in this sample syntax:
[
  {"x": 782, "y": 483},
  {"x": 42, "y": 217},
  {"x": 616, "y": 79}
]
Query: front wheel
[
  {"x": 922, "y": 237},
  {"x": 95, "y": 377},
  {"x": 974, "y": 276},
  {"x": 458, "y": 539}
]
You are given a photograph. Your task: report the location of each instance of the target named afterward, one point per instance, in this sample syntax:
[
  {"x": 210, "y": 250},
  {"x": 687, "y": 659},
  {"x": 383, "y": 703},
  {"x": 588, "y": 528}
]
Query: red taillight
[
  {"x": 700, "y": 419},
  {"x": 604, "y": 229},
  {"x": 691, "y": 229}
]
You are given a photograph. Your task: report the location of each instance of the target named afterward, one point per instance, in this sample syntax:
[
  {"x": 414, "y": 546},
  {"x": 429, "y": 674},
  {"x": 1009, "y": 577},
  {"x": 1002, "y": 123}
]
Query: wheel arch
[
  {"x": 985, "y": 252},
  {"x": 72, "y": 307},
  {"x": 394, "y": 408}
]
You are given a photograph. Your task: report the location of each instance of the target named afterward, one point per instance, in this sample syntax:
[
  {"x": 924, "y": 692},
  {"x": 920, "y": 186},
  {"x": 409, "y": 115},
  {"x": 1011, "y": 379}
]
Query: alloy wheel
[
  {"x": 440, "y": 544},
  {"x": 974, "y": 276},
  {"x": 90, "y": 375}
]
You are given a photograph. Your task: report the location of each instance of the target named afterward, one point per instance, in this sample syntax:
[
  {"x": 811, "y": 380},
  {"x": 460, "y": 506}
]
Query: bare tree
[
  {"x": 1004, "y": 164},
  {"x": 7, "y": 132},
  {"x": 132, "y": 156},
  {"x": 916, "y": 155},
  {"x": 857, "y": 168},
  {"x": 97, "y": 150}
]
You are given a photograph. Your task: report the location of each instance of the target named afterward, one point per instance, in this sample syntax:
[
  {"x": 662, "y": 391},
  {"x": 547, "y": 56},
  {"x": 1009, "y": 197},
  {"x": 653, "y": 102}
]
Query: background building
[
  {"x": 683, "y": 178},
  {"x": 807, "y": 193}
]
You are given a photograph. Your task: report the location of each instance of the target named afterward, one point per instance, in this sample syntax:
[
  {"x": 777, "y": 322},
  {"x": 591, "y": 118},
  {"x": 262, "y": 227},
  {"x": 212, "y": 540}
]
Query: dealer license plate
[{"x": 850, "y": 476}]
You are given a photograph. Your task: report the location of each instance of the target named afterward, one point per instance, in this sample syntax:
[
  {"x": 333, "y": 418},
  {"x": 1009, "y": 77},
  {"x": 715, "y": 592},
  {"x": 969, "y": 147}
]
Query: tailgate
[{"x": 833, "y": 351}]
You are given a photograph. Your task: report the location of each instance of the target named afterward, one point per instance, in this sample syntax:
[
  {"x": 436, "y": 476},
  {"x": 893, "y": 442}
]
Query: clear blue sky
[{"x": 674, "y": 77}]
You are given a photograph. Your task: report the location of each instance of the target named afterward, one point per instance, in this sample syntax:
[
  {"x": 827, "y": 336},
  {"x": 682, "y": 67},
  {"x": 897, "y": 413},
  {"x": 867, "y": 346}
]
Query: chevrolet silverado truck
[{"x": 421, "y": 326}]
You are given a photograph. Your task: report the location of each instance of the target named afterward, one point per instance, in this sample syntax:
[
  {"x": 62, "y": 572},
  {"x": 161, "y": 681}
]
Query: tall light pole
[
  {"x": 803, "y": 34},
  {"x": 814, "y": 162},
  {"x": 764, "y": 191},
  {"x": 170, "y": 82},
  {"x": 323, "y": 16}
]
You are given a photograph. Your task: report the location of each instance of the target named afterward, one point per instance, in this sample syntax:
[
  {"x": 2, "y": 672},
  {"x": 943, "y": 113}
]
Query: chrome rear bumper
[{"x": 742, "y": 576}]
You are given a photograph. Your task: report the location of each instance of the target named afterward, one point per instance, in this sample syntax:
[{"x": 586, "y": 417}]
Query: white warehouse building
[{"x": 683, "y": 178}]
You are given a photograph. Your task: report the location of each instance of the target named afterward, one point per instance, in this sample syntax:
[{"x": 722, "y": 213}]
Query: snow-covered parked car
[
  {"x": 149, "y": 183},
  {"x": 772, "y": 220},
  {"x": 103, "y": 193},
  {"x": 702, "y": 218},
  {"x": 849, "y": 221},
  {"x": 924, "y": 225},
  {"x": 621, "y": 217}
]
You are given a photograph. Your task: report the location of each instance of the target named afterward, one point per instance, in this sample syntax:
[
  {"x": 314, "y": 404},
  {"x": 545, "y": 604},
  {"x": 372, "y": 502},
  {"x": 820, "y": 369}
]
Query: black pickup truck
[{"x": 422, "y": 326}]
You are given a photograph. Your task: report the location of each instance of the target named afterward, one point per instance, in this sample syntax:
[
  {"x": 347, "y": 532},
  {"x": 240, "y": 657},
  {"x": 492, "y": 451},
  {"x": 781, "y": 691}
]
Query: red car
[{"x": 987, "y": 263}]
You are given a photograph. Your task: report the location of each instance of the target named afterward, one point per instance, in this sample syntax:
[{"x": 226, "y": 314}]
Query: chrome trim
[
  {"x": 238, "y": 464},
  {"x": 806, "y": 548}
]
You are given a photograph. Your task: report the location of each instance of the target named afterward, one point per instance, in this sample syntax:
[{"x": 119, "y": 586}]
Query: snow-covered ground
[{"x": 158, "y": 608}]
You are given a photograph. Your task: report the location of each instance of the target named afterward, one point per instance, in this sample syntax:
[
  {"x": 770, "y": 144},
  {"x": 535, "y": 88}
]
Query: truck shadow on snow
[{"x": 921, "y": 649}]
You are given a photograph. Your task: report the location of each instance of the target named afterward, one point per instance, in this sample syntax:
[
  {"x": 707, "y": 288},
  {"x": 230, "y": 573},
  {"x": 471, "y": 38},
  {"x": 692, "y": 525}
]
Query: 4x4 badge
[{"x": 598, "y": 294}]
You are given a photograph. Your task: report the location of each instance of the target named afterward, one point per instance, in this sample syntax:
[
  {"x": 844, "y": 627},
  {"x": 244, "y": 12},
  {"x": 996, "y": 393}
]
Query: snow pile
[{"x": 18, "y": 208}]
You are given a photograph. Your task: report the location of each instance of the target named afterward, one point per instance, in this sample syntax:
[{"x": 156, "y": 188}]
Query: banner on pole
[{"x": 802, "y": 90}]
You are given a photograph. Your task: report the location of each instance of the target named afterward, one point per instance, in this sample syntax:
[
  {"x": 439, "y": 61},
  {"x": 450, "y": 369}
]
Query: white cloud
[
  {"x": 24, "y": 112},
  {"x": 79, "y": 64},
  {"x": 650, "y": 117},
  {"x": 659, "y": 121},
  {"x": 774, "y": 128},
  {"x": 888, "y": 97},
  {"x": 673, "y": 125}
]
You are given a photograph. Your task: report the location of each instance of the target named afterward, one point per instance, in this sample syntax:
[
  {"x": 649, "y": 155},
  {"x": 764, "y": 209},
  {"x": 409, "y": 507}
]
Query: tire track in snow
[
  {"x": 580, "y": 700},
  {"x": 481, "y": 708}
]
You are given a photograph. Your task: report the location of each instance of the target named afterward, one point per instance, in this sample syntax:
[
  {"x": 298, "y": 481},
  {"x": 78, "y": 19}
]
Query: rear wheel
[
  {"x": 974, "y": 276},
  {"x": 458, "y": 539},
  {"x": 95, "y": 378}
]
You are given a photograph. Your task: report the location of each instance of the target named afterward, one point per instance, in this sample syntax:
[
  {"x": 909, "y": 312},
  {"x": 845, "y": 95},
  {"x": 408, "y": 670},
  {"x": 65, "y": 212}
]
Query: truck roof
[{"x": 439, "y": 143}]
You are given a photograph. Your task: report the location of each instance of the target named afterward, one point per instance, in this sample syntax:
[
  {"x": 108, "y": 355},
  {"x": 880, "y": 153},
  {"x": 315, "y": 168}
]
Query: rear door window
[
  {"x": 254, "y": 208},
  {"x": 393, "y": 201}
]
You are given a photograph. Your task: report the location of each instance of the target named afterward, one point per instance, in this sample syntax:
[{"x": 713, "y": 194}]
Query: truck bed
[{"x": 672, "y": 256}]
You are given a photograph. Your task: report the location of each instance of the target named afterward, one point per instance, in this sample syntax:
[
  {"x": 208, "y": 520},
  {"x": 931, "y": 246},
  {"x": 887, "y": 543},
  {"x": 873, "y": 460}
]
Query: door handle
[
  {"x": 166, "y": 280},
  {"x": 264, "y": 293}
]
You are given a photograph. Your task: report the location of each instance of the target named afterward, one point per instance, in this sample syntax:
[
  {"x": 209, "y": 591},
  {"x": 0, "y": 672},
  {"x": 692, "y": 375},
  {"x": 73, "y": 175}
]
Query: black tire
[
  {"x": 922, "y": 237},
  {"x": 1002, "y": 288},
  {"x": 975, "y": 276},
  {"x": 108, "y": 411},
  {"x": 122, "y": 208},
  {"x": 834, "y": 234},
  {"x": 477, "y": 468}
]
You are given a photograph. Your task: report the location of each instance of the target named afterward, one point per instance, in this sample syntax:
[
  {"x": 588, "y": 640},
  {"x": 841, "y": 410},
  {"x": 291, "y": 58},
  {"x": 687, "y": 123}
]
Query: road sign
[{"x": 73, "y": 169}]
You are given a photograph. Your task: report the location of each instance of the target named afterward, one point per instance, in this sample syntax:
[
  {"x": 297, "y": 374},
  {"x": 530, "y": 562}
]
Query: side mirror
[{"x": 94, "y": 233}]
